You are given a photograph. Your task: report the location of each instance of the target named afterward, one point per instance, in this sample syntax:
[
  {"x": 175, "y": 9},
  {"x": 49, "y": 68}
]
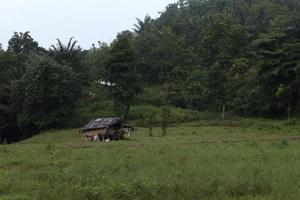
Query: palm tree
[
  {"x": 69, "y": 54},
  {"x": 142, "y": 25},
  {"x": 61, "y": 48}
]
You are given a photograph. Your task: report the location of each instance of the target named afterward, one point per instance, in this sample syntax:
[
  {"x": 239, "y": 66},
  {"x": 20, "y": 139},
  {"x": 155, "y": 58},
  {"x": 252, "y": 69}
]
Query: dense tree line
[{"x": 240, "y": 56}]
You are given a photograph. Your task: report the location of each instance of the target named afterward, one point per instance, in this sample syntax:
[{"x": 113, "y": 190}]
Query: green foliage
[
  {"x": 278, "y": 66},
  {"x": 141, "y": 110},
  {"x": 196, "y": 93},
  {"x": 23, "y": 43},
  {"x": 178, "y": 115},
  {"x": 87, "y": 109},
  {"x": 12, "y": 67},
  {"x": 282, "y": 144},
  {"x": 154, "y": 95},
  {"x": 95, "y": 61},
  {"x": 44, "y": 97},
  {"x": 227, "y": 54},
  {"x": 162, "y": 55},
  {"x": 147, "y": 119},
  {"x": 141, "y": 26},
  {"x": 71, "y": 55},
  {"x": 121, "y": 74}
]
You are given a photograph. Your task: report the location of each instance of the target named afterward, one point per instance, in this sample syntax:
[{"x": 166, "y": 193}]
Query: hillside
[{"x": 225, "y": 56}]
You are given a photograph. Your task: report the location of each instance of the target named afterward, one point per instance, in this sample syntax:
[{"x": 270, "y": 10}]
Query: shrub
[
  {"x": 283, "y": 144},
  {"x": 177, "y": 115}
]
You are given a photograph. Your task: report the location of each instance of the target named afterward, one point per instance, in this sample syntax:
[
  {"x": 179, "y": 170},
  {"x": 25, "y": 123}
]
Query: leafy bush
[
  {"x": 177, "y": 115},
  {"x": 165, "y": 116},
  {"x": 282, "y": 144}
]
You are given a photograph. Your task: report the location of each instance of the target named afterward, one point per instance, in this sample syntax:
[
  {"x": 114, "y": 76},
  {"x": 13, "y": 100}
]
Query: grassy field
[{"x": 234, "y": 159}]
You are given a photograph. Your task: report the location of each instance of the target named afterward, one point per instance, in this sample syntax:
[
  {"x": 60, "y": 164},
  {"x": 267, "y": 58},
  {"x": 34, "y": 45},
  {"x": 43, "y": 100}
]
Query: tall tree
[
  {"x": 12, "y": 67},
  {"x": 141, "y": 25},
  {"x": 224, "y": 39},
  {"x": 8, "y": 72},
  {"x": 278, "y": 57},
  {"x": 70, "y": 54},
  {"x": 73, "y": 56},
  {"x": 45, "y": 95},
  {"x": 23, "y": 43},
  {"x": 95, "y": 60},
  {"x": 121, "y": 73}
]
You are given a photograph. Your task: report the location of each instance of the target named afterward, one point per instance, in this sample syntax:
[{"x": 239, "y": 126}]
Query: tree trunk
[
  {"x": 123, "y": 113},
  {"x": 289, "y": 112},
  {"x": 223, "y": 112}
]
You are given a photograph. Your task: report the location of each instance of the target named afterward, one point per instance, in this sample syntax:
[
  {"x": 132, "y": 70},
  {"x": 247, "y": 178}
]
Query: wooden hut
[{"x": 105, "y": 129}]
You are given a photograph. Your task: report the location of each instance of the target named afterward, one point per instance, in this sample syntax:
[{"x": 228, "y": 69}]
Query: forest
[{"x": 229, "y": 57}]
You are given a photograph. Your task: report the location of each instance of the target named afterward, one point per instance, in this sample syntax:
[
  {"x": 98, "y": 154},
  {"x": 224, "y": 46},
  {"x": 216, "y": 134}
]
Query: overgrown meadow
[{"x": 207, "y": 159}]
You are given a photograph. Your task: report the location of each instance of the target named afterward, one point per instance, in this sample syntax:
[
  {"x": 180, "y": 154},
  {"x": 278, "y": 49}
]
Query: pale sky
[{"x": 89, "y": 21}]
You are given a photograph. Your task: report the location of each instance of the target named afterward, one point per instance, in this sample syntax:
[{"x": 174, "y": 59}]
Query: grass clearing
[{"x": 235, "y": 159}]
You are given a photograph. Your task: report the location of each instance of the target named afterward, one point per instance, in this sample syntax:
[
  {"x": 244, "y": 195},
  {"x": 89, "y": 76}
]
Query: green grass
[{"x": 208, "y": 159}]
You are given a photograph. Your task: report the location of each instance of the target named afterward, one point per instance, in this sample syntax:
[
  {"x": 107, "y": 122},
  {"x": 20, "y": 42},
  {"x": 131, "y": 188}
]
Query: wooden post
[{"x": 129, "y": 132}]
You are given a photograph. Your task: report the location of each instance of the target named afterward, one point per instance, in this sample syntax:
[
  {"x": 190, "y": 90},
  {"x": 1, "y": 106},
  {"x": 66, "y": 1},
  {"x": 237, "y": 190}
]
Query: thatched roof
[{"x": 103, "y": 123}]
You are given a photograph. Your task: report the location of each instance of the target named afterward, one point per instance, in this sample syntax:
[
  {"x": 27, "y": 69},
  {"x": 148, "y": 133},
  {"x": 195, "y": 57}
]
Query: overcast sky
[{"x": 87, "y": 20}]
